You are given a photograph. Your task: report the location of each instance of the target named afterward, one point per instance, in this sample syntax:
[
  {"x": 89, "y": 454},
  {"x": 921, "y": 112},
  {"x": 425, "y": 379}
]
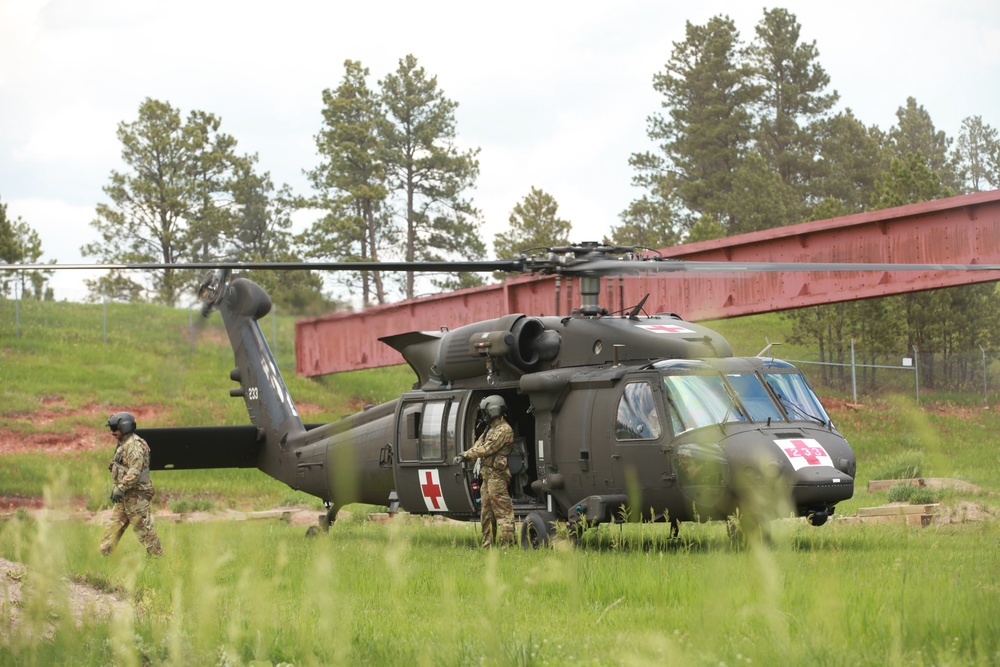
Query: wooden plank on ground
[
  {"x": 897, "y": 510},
  {"x": 883, "y": 484}
]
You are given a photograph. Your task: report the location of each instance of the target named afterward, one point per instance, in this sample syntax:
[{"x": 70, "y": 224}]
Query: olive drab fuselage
[{"x": 610, "y": 415}]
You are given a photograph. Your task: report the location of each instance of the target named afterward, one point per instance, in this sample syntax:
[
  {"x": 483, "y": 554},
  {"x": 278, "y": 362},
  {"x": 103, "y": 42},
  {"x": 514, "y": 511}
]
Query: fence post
[
  {"x": 854, "y": 374},
  {"x": 17, "y": 309},
  {"x": 191, "y": 327},
  {"x": 104, "y": 299},
  {"x": 916, "y": 371},
  {"x": 986, "y": 402}
]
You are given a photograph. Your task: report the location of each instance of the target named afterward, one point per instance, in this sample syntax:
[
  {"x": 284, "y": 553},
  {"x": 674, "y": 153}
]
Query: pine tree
[
  {"x": 976, "y": 155},
  {"x": 534, "y": 223},
  {"x": 850, "y": 160},
  {"x": 351, "y": 183},
  {"x": 707, "y": 90},
  {"x": 791, "y": 82},
  {"x": 21, "y": 244},
  {"x": 428, "y": 174},
  {"x": 165, "y": 208}
]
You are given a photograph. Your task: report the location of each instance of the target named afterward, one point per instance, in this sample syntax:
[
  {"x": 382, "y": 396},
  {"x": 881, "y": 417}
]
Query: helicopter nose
[{"x": 821, "y": 486}]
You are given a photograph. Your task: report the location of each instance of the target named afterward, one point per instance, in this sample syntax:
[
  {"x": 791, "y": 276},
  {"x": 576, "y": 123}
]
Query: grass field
[{"x": 246, "y": 593}]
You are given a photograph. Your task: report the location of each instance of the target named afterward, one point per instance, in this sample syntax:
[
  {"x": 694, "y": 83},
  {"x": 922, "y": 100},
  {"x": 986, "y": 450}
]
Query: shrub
[
  {"x": 905, "y": 466},
  {"x": 916, "y": 495}
]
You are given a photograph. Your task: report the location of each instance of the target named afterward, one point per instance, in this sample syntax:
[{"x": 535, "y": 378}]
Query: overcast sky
[{"x": 554, "y": 94}]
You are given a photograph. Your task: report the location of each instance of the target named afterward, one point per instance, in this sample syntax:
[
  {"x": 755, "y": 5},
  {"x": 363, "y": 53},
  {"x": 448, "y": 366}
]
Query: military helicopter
[{"x": 616, "y": 416}]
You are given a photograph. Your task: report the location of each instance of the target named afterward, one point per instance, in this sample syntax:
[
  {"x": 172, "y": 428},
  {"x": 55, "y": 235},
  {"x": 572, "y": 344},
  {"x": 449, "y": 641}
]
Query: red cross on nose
[{"x": 810, "y": 454}]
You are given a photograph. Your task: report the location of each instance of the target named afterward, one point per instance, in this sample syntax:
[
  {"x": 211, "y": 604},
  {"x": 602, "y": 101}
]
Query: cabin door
[{"x": 428, "y": 438}]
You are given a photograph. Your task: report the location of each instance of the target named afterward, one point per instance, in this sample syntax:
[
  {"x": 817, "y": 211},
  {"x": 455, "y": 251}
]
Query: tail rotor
[{"x": 213, "y": 286}]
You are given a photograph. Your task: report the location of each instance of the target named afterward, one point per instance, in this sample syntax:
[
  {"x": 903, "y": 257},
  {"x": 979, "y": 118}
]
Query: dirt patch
[
  {"x": 840, "y": 404},
  {"x": 91, "y": 434},
  {"x": 82, "y": 600},
  {"x": 14, "y": 502},
  {"x": 963, "y": 513},
  {"x": 306, "y": 409},
  {"x": 296, "y": 516}
]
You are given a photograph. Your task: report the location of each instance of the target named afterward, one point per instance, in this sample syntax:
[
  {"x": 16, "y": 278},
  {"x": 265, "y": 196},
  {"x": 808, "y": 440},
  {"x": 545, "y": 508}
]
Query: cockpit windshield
[
  {"x": 797, "y": 397},
  {"x": 707, "y": 399},
  {"x": 695, "y": 401}
]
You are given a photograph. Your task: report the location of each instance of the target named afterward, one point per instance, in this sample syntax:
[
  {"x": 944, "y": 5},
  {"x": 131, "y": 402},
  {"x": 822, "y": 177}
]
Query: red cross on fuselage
[
  {"x": 431, "y": 490},
  {"x": 666, "y": 328},
  {"x": 810, "y": 454}
]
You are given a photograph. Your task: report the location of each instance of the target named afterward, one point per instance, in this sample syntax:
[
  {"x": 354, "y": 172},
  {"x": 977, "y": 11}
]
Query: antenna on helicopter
[{"x": 767, "y": 348}]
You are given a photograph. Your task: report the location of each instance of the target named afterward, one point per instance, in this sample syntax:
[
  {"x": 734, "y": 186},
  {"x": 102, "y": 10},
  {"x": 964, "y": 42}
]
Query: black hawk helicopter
[{"x": 616, "y": 416}]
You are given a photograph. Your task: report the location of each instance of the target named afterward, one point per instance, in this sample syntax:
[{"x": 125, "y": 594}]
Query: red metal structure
[{"x": 957, "y": 230}]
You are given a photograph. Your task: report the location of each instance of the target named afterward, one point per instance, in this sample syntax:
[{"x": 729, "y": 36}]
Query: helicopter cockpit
[{"x": 702, "y": 393}]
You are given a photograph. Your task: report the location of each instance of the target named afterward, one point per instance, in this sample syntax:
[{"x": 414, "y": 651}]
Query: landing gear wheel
[
  {"x": 325, "y": 521},
  {"x": 817, "y": 518},
  {"x": 537, "y": 530}
]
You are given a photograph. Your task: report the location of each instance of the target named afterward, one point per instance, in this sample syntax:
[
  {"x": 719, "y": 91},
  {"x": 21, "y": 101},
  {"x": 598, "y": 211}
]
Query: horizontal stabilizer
[{"x": 200, "y": 447}]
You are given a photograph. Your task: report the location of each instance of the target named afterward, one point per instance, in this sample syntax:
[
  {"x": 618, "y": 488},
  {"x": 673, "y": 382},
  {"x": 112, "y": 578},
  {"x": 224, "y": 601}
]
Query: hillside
[{"x": 71, "y": 367}]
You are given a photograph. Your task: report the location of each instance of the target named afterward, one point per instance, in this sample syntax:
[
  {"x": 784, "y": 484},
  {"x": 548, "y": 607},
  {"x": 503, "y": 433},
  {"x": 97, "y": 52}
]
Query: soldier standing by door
[
  {"x": 494, "y": 447},
  {"x": 133, "y": 488}
]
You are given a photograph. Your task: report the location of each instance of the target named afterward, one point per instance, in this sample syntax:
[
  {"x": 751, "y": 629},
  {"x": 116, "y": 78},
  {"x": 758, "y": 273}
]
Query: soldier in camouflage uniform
[
  {"x": 133, "y": 488},
  {"x": 493, "y": 447}
]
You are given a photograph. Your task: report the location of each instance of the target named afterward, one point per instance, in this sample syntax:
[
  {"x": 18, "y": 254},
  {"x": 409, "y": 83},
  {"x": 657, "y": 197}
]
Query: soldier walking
[
  {"x": 133, "y": 488},
  {"x": 494, "y": 447}
]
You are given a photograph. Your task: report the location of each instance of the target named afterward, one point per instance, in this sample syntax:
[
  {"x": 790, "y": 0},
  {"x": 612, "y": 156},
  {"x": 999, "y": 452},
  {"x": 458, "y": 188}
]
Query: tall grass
[
  {"x": 414, "y": 594},
  {"x": 409, "y": 593}
]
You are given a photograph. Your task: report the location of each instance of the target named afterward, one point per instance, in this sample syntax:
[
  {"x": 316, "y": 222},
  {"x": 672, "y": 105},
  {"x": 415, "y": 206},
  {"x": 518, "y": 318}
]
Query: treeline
[
  {"x": 749, "y": 136},
  {"x": 748, "y": 139}
]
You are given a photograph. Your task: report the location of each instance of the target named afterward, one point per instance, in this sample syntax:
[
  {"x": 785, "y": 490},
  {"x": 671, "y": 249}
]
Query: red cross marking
[
  {"x": 666, "y": 328},
  {"x": 810, "y": 454},
  {"x": 431, "y": 490}
]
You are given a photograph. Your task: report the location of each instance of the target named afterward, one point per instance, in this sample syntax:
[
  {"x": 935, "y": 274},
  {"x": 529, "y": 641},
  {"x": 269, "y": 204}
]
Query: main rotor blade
[
  {"x": 606, "y": 267},
  {"x": 484, "y": 266},
  {"x": 588, "y": 266}
]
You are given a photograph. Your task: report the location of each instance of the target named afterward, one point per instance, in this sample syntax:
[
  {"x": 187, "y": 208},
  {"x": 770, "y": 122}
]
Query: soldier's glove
[
  {"x": 117, "y": 495},
  {"x": 458, "y": 460}
]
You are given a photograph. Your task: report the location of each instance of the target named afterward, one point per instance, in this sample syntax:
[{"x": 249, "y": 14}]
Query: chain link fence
[{"x": 971, "y": 372}]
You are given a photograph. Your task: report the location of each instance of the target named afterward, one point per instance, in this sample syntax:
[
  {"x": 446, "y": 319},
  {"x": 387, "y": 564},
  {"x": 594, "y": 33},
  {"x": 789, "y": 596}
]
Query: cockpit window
[
  {"x": 797, "y": 397},
  {"x": 754, "y": 398},
  {"x": 637, "y": 417},
  {"x": 695, "y": 401},
  {"x": 708, "y": 399}
]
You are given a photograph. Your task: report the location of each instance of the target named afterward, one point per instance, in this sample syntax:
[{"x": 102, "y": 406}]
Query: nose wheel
[{"x": 537, "y": 530}]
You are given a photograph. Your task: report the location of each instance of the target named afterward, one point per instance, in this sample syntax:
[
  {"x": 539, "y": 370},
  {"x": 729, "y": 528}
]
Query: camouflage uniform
[
  {"x": 493, "y": 447},
  {"x": 130, "y": 473}
]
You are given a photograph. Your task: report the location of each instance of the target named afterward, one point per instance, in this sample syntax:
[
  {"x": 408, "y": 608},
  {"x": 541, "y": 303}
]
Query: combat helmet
[
  {"x": 123, "y": 421},
  {"x": 493, "y": 406}
]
